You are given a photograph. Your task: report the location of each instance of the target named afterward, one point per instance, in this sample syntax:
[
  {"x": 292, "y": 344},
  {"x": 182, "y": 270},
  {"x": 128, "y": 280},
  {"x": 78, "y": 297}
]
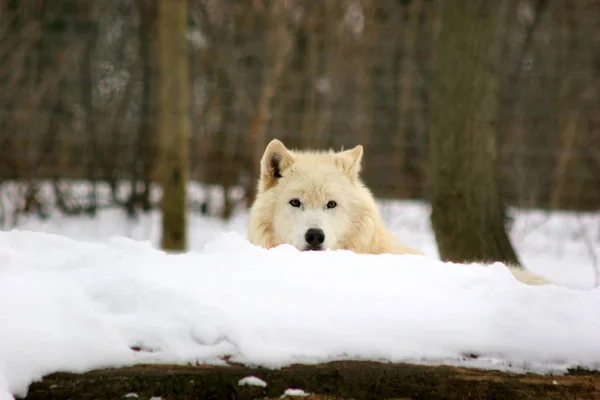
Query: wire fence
[{"x": 78, "y": 95}]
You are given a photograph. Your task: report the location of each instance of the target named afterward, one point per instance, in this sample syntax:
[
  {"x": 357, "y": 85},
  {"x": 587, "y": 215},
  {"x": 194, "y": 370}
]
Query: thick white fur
[{"x": 315, "y": 178}]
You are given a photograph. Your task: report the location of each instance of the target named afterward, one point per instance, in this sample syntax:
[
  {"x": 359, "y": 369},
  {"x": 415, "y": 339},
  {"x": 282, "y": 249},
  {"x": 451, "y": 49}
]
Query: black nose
[{"x": 314, "y": 237}]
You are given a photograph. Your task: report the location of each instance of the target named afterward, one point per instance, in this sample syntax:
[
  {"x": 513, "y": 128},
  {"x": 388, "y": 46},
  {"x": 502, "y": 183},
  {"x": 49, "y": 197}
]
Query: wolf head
[{"x": 311, "y": 200}]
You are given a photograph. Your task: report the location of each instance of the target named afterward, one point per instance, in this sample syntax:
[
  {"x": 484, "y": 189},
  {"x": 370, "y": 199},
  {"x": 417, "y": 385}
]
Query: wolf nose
[{"x": 314, "y": 237}]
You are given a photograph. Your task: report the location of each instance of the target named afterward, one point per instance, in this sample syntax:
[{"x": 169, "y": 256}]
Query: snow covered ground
[{"x": 80, "y": 293}]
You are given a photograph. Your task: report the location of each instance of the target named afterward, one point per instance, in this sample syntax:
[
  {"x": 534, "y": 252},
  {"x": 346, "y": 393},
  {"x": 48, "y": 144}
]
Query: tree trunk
[
  {"x": 467, "y": 211},
  {"x": 173, "y": 123}
]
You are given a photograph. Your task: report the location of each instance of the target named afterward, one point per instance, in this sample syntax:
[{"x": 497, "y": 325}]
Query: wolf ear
[
  {"x": 350, "y": 161},
  {"x": 276, "y": 159}
]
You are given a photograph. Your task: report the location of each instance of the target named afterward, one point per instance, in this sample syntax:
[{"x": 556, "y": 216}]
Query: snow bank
[
  {"x": 563, "y": 246},
  {"x": 67, "y": 305}
]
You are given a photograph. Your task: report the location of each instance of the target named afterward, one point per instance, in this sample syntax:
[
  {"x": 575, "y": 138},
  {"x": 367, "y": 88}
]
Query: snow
[
  {"x": 80, "y": 293},
  {"x": 295, "y": 393},
  {"x": 252, "y": 381}
]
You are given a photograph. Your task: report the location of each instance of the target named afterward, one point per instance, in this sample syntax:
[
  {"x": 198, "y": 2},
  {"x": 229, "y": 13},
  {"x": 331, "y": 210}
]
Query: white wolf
[{"x": 315, "y": 200}]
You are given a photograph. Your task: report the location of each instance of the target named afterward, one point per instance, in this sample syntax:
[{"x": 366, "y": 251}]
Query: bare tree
[
  {"x": 407, "y": 101},
  {"x": 173, "y": 120},
  {"x": 87, "y": 90},
  {"x": 467, "y": 211},
  {"x": 277, "y": 46},
  {"x": 80, "y": 94},
  {"x": 145, "y": 141},
  {"x": 575, "y": 96}
]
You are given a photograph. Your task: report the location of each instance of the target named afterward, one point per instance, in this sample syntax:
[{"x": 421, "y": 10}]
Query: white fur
[{"x": 316, "y": 178}]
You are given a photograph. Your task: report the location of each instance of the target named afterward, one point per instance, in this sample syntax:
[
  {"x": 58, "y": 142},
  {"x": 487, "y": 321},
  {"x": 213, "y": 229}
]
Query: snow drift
[{"x": 67, "y": 305}]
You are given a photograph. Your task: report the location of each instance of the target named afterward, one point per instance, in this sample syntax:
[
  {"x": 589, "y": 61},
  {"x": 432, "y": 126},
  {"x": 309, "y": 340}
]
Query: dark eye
[
  {"x": 331, "y": 204},
  {"x": 295, "y": 203}
]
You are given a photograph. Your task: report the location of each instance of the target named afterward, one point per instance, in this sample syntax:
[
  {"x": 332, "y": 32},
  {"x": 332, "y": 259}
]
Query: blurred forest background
[{"x": 79, "y": 95}]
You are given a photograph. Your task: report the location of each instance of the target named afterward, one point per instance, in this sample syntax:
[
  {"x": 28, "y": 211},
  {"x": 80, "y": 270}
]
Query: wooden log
[{"x": 335, "y": 380}]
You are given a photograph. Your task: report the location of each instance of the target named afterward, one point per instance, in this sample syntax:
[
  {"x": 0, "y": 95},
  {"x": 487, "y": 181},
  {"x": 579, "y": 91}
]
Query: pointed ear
[
  {"x": 350, "y": 161},
  {"x": 275, "y": 160}
]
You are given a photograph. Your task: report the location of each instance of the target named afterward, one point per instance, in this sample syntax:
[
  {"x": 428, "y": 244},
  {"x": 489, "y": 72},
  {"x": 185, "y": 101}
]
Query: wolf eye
[
  {"x": 331, "y": 204},
  {"x": 295, "y": 203}
]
